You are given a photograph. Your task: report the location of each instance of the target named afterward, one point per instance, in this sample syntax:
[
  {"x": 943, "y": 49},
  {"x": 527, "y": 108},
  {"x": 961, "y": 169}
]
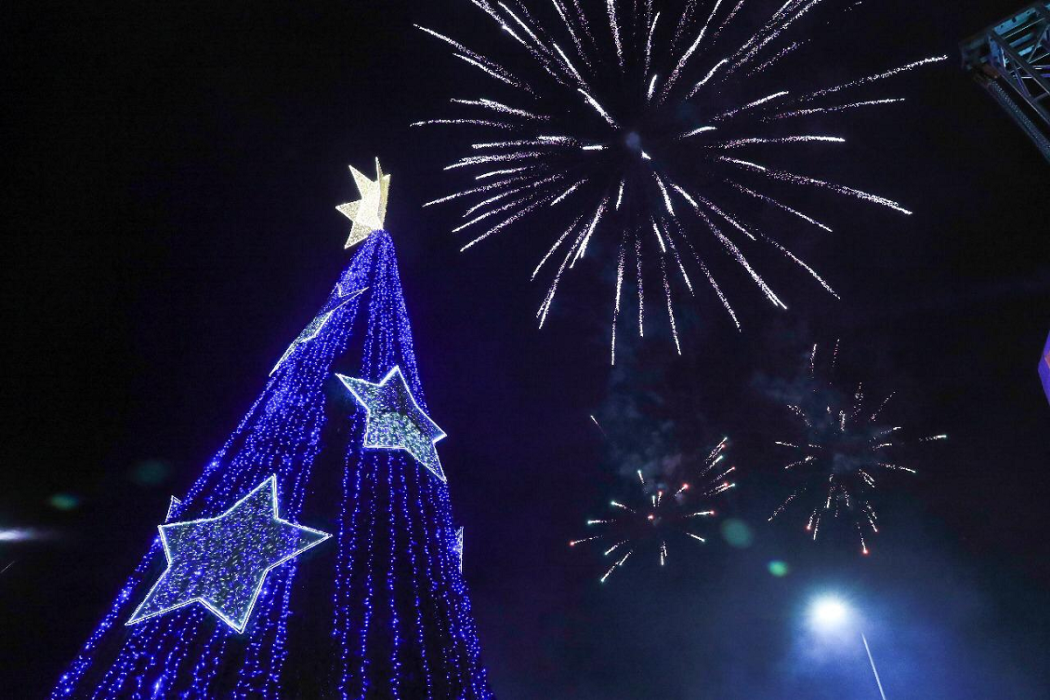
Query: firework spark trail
[
  {"x": 753, "y": 140},
  {"x": 570, "y": 26},
  {"x": 661, "y": 514},
  {"x": 770, "y": 62},
  {"x": 509, "y": 205},
  {"x": 482, "y": 188},
  {"x": 649, "y": 45},
  {"x": 780, "y": 205},
  {"x": 706, "y": 78},
  {"x": 750, "y": 55},
  {"x": 619, "y": 288},
  {"x": 872, "y": 78},
  {"x": 804, "y": 180},
  {"x": 590, "y": 230},
  {"x": 640, "y": 285},
  {"x": 504, "y": 171},
  {"x": 681, "y": 265},
  {"x": 614, "y": 25},
  {"x": 734, "y": 251},
  {"x": 750, "y": 105},
  {"x": 714, "y": 285},
  {"x": 595, "y": 420},
  {"x": 841, "y": 454},
  {"x": 599, "y": 109},
  {"x": 803, "y": 265},
  {"x": 728, "y": 18},
  {"x": 677, "y": 72},
  {"x": 500, "y": 108},
  {"x": 487, "y": 65},
  {"x": 769, "y": 28},
  {"x": 832, "y": 109},
  {"x": 466, "y": 122},
  {"x": 670, "y": 306},
  {"x": 683, "y": 21},
  {"x": 566, "y": 193},
  {"x": 510, "y": 191},
  {"x": 713, "y": 207},
  {"x": 610, "y": 126},
  {"x": 578, "y": 246},
  {"x": 494, "y": 158},
  {"x": 508, "y": 221}
]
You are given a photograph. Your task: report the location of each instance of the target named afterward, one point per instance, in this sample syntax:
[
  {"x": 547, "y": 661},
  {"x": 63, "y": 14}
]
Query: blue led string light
[{"x": 382, "y": 612}]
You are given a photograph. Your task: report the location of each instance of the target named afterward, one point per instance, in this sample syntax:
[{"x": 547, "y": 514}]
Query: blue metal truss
[{"x": 1015, "y": 54}]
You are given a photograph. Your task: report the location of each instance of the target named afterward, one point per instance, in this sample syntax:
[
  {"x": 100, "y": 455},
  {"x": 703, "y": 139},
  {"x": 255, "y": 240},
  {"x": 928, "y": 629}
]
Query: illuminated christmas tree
[{"x": 316, "y": 556}]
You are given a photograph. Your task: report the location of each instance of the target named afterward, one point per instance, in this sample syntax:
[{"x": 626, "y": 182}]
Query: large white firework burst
[
  {"x": 842, "y": 455},
  {"x": 647, "y": 126}
]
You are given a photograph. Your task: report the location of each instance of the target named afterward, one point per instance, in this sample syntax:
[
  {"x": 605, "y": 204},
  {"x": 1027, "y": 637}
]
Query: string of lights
[{"x": 380, "y": 612}]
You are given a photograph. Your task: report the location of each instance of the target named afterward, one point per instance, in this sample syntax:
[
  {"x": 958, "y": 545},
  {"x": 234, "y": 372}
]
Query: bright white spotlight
[{"x": 828, "y": 613}]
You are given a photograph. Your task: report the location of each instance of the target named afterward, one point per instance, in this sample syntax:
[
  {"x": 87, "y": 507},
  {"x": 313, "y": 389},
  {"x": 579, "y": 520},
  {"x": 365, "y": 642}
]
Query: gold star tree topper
[{"x": 368, "y": 212}]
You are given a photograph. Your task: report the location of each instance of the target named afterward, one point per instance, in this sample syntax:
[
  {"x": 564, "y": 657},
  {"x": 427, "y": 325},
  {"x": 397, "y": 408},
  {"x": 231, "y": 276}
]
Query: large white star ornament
[
  {"x": 222, "y": 562},
  {"x": 369, "y": 212},
  {"x": 395, "y": 421}
]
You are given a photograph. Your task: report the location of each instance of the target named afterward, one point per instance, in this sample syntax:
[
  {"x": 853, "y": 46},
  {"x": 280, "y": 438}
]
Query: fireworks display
[
  {"x": 654, "y": 130},
  {"x": 662, "y": 513},
  {"x": 842, "y": 455}
]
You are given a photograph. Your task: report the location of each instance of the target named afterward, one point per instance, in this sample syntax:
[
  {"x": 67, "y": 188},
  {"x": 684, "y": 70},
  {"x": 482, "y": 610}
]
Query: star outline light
[
  {"x": 369, "y": 212},
  {"x": 270, "y": 481},
  {"x": 432, "y": 464},
  {"x": 457, "y": 547},
  {"x": 315, "y": 326}
]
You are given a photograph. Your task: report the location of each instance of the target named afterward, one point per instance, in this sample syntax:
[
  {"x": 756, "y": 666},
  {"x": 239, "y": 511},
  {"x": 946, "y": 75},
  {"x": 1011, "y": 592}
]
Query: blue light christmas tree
[{"x": 315, "y": 557}]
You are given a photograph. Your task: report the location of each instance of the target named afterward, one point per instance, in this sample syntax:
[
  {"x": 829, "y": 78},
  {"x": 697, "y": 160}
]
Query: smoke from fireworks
[
  {"x": 665, "y": 511},
  {"x": 843, "y": 454},
  {"x": 625, "y": 122}
]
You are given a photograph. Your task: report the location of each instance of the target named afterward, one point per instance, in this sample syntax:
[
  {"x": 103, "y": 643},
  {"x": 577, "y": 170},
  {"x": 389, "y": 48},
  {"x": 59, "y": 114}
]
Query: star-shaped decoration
[
  {"x": 173, "y": 506},
  {"x": 222, "y": 562},
  {"x": 368, "y": 212},
  {"x": 395, "y": 421},
  {"x": 314, "y": 328}
]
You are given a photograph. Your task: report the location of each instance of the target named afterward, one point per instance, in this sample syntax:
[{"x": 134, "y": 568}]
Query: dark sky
[{"x": 172, "y": 172}]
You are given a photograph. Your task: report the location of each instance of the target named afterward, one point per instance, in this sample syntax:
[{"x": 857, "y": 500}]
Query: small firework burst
[
  {"x": 660, "y": 513},
  {"x": 842, "y": 455},
  {"x": 658, "y": 127}
]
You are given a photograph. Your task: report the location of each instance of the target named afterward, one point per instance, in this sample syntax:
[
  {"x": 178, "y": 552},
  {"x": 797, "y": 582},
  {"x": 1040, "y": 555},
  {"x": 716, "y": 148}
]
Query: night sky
[{"x": 172, "y": 173}]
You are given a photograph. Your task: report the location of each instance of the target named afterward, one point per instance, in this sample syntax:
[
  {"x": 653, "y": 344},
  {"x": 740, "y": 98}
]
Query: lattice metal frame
[{"x": 1015, "y": 53}]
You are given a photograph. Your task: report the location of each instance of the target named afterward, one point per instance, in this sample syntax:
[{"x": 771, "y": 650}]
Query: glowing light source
[
  {"x": 222, "y": 562},
  {"x": 19, "y": 535},
  {"x": 829, "y": 613}
]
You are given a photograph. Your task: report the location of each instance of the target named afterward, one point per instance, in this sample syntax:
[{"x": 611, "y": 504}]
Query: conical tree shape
[{"x": 377, "y": 610}]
